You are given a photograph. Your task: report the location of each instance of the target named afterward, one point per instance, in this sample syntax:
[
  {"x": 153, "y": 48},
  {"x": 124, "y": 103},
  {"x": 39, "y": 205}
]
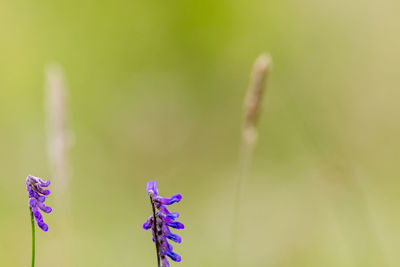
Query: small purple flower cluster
[
  {"x": 164, "y": 220},
  {"x": 37, "y": 197}
]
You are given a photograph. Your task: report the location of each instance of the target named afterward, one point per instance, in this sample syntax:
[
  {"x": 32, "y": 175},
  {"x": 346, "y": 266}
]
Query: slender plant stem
[
  {"x": 155, "y": 230},
  {"x": 33, "y": 237},
  {"x": 244, "y": 162},
  {"x": 252, "y": 108}
]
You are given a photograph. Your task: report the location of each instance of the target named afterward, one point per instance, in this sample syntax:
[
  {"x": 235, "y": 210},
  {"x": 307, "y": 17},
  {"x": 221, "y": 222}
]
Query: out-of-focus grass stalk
[
  {"x": 252, "y": 108},
  {"x": 58, "y": 135},
  {"x": 59, "y": 141}
]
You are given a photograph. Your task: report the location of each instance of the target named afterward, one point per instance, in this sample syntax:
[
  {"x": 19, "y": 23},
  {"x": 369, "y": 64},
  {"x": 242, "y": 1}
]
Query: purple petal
[
  {"x": 163, "y": 210},
  {"x": 44, "y": 183},
  {"x": 32, "y": 202},
  {"x": 30, "y": 179},
  {"x": 173, "y": 215},
  {"x": 41, "y": 198},
  {"x": 42, "y": 191},
  {"x": 33, "y": 194},
  {"x": 173, "y": 256},
  {"x": 166, "y": 215},
  {"x": 174, "y": 237},
  {"x": 164, "y": 261},
  {"x": 44, "y": 208},
  {"x": 147, "y": 225},
  {"x": 36, "y": 213},
  {"x": 152, "y": 187},
  {"x": 165, "y": 245},
  {"x": 43, "y": 226},
  {"x": 169, "y": 201},
  {"x": 38, "y": 216},
  {"x": 30, "y": 191},
  {"x": 176, "y": 225}
]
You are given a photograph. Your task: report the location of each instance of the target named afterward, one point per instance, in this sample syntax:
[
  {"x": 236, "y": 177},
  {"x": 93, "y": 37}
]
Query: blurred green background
[{"x": 156, "y": 91}]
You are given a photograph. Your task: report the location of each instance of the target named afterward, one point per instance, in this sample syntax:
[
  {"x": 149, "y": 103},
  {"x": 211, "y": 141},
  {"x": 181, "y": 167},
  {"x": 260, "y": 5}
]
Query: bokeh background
[{"x": 155, "y": 91}]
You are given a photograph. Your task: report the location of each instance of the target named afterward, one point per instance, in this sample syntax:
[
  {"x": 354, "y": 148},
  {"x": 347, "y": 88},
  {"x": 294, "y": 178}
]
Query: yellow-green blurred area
[{"x": 156, "y": 91}]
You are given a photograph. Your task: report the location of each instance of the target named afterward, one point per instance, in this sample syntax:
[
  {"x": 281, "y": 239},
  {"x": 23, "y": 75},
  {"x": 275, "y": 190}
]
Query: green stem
[{"x": 33, "y": 237}]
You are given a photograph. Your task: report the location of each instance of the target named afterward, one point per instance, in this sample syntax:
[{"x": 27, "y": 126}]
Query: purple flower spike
[
  {"x": 37, "y": 197},
  {"x": 163, "y": 220}
]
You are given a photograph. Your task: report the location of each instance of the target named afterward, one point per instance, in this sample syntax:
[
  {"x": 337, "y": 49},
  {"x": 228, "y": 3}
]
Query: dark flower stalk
[
  {"x": 37, "y": 197},
  {"x": 155, "y": 227},
  {"x": 160, "y": 222}
]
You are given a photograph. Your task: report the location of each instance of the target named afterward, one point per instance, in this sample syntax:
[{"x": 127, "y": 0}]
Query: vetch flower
[
  {"x": 160, "y": 226},
  {"x": 37, "y": 196}
]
